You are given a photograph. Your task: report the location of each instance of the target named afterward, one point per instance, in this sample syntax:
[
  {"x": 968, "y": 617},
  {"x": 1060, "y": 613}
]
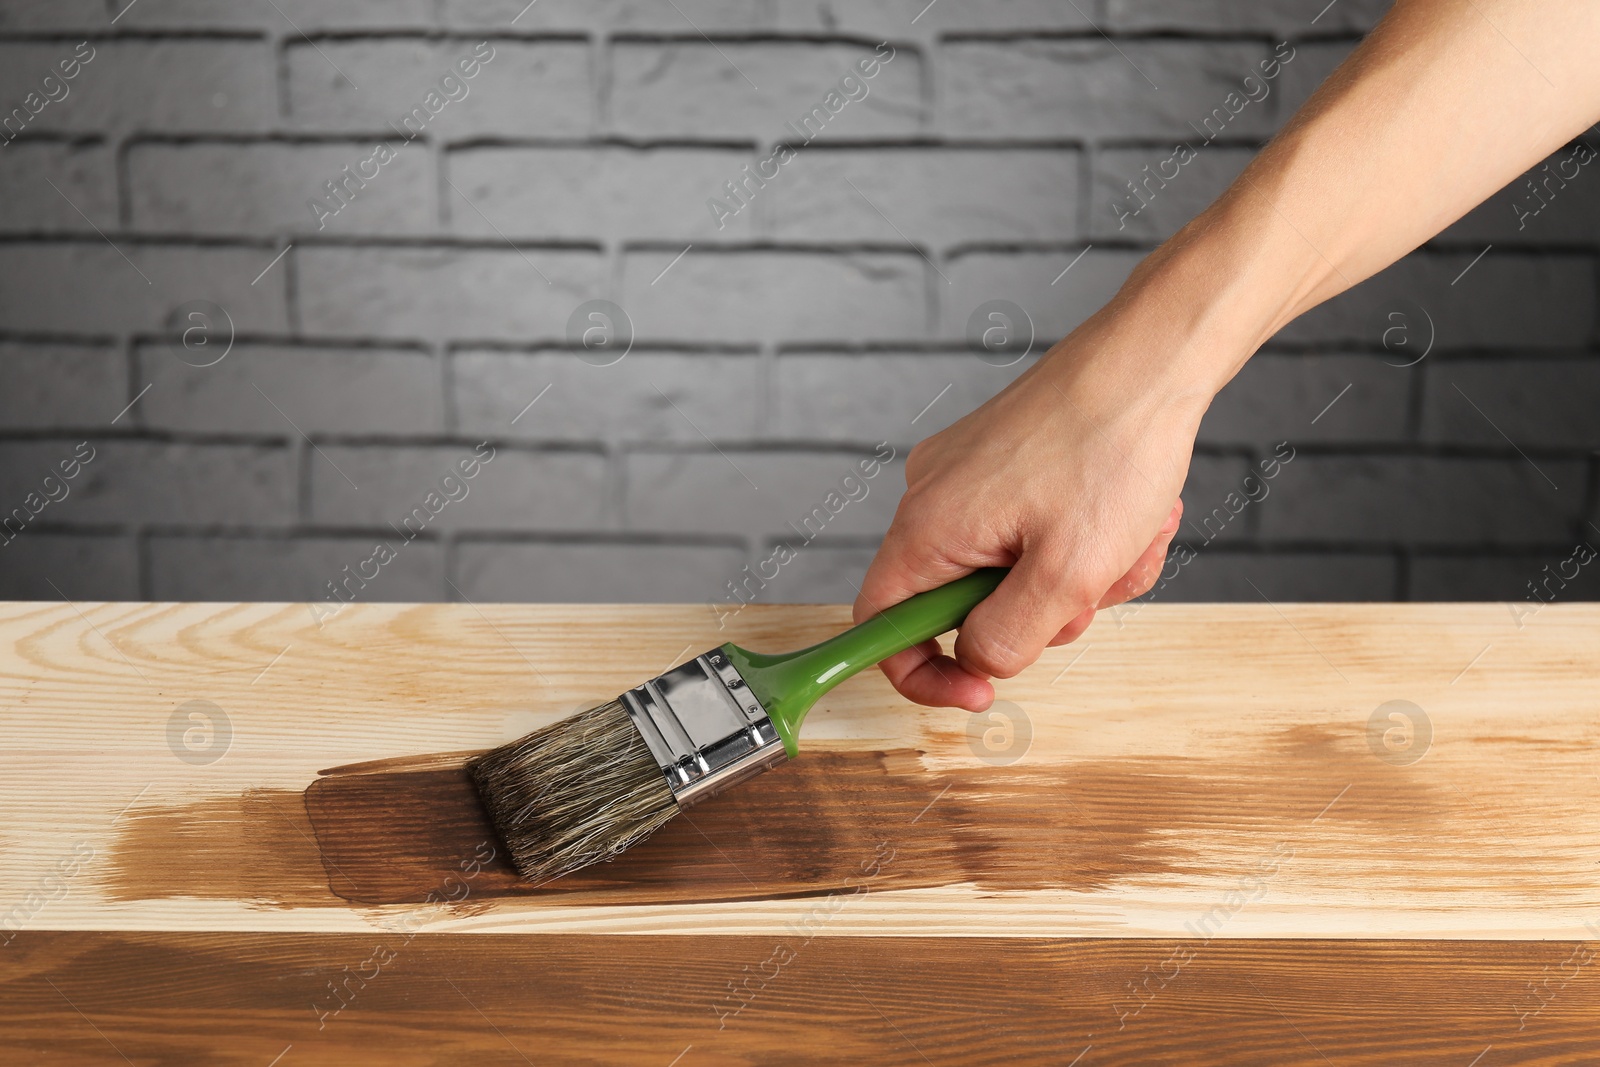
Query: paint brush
[{"x": 584, "y": 789}]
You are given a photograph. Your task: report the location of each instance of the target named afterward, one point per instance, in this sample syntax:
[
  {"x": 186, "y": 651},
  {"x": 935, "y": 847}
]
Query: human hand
[{"x": 1070, "y": 476}]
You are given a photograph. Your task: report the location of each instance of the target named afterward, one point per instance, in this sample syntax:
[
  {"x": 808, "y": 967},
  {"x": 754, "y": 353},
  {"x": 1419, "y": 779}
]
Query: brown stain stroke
[
  {"x": 807, "y": 828},
  {"x": 407, "y": 830},
  {"x": 258, "y": 847}
]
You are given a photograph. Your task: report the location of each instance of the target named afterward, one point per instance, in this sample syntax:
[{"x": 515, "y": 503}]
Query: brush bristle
[{"x": 577, "y": 792}]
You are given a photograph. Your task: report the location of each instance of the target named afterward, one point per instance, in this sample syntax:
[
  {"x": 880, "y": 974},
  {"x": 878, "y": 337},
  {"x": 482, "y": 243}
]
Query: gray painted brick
[
  {"x": 1286, "y": 398},
  {"x": 594, "y": 572},
  {"x": 151, "y": 482},
  {"x": 47, "y": 565},
  {"x": 1312, "y": 63},
  {"x": 87, "y": 286},
  {"x": 320, "y": 390},
  {"x": 791, "y": 295},
  {"x": 1217, "y": 574},
  {"x": 936, "y": 197},
  {"x": 645, "y": 397},
  {"x": 435, "y": 292},
  {"x": 52, "y": 14},
  {"x": 144, "y": 85},
  {"x": 756, "y": 493},
  {"x": 1205, "y": 492},
  {"x": 816, "y": 575},
  {"x": 267, "y": 188},
  {"x": 694, "y": 89},
  {"x": 528, "y": 88},
  {"x": 610, "y": 192},
  {"x": 1160, "y": 207},
  {"x": 1483, "y": 577},
  {"x": 283, "y": 569},
  {"x": 1509, "y": 299},
  {"x": 1245, "y": 16},
  {"x": 1540, "y": 208},
  {"x": 1003, "y": 71},
  {"x": 50, "y": 385},
  {"x": 1433, "y": 500},
  {"x": 1088, "y": 88},
  {"x": 82, "y": 174},
  {"x": 1029, "y": 280},
  {"x": 896, "y": 19},
  {"x": 615, "y": 16},
  {"x": 287, "y": 17},
  {"x": 275, "y": 16},
  {"x": 1537, "y": 403},
  {"x": 516, "y": 490},
  {"x": 900, "y": 396}
]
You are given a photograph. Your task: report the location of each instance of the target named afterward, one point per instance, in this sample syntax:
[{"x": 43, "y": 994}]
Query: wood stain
[{"x": 398, "y": 831}]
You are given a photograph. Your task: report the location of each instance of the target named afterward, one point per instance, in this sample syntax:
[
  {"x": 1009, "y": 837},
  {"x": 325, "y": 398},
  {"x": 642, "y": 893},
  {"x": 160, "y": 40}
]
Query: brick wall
[{"x": 158, "y": 216}]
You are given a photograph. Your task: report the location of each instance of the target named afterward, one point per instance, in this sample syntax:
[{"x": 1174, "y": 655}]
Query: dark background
[{"x": 828, "y": 316}]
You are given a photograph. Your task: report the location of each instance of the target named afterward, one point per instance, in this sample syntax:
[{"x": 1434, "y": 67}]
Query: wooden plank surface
[
  {"x": 245, "y": 999},
  {"x": 1207, "y": 771},
  {"x": 233, "y": 835}
]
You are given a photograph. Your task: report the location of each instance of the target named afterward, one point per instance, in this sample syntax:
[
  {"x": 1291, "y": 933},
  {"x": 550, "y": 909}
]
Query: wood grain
[
  {"x": 242, "y": 999},
  {"x": 1191, "y": 769},
  {"x": 1205, "y": 854}
]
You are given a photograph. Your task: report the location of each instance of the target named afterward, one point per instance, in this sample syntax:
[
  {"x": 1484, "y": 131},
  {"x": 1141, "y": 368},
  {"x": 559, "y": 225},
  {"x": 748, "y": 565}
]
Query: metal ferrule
[{"x": 705, "y": 728}]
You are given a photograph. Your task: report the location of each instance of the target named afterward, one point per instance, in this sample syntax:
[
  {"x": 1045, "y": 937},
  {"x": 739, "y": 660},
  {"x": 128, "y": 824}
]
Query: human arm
[{"x": 1070, "y": 475}]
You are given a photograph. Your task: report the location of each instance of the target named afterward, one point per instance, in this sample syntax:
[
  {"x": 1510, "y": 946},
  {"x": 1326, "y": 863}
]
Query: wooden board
[
  {"x": 241, "y": 799},
  {"x": 1193, "y": 753},
  {"x": 242, "y": 1000}
]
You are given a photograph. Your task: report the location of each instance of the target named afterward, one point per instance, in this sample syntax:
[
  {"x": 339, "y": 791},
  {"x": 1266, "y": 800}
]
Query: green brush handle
[{"x": 788, "y": 684}]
